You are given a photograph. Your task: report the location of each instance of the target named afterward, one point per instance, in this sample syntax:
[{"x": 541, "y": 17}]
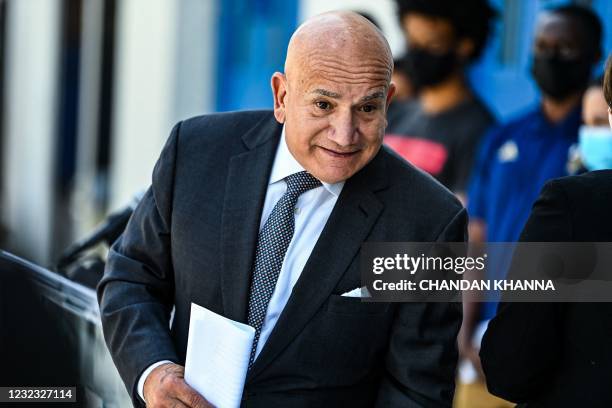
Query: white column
[
  {"x": 84, "y": 214},
  {"x": 164, "y": 72},
  {"x": 143, "y": 101},
  {"x": 196, "y": 58},
  {"x": 30, "y": 115}
]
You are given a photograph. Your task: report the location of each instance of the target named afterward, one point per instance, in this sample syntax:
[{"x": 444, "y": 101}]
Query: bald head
[
  {"x": 334, "y": 93},
  {"x": 339, "y": 39}
]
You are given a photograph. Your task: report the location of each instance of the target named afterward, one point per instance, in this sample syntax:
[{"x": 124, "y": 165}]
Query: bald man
[{"x": 260, "y": 216}]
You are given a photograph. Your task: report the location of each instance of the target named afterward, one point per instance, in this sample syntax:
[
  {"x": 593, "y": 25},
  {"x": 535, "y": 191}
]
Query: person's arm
[
  {"x": 476, "y": 202},
  {"x": 520, "y": 348},
  {"x": 422, "y": 357},
  {"x": 136, "y": 292}
]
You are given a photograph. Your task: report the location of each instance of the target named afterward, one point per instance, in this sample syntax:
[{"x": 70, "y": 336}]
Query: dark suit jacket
[
  {"x": 193, "y": 238},
  {"x": 557, "y": 354}
]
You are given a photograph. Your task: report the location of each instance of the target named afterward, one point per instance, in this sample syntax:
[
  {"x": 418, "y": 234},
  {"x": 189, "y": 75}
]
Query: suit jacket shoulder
[
  {"x": 574, "y": 208},
  {"x": 218, "y": 130},
  {"x": 416, "y": 196}
]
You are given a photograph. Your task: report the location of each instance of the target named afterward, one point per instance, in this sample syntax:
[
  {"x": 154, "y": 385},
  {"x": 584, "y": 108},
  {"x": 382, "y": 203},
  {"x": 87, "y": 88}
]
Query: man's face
[
  {"x": 594, "y": 107},
  {"x": 563, "y": 58},
  {"x": 558, "y": 34},
  {"x": 334, "y": 115},
  {"x": 432, "y": 34}
]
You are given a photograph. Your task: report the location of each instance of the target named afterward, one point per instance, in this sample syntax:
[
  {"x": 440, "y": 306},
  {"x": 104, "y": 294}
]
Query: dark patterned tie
[{"x": 272, "y": 244}]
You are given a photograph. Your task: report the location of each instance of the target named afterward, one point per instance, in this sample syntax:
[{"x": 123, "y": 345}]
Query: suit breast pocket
[{"x": 354, "y": 306}]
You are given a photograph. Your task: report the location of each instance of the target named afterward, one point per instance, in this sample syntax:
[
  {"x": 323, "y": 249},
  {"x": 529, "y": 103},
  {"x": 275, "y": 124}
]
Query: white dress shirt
[{"x": 311, "y": 213}]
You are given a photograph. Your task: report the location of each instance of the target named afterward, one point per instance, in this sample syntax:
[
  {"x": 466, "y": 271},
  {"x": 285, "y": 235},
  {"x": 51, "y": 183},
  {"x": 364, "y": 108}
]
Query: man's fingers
[
  {"x": 191, "y": 397},
  {"x": 175, "y": 403},
  {"x": 168, "y": 388}
]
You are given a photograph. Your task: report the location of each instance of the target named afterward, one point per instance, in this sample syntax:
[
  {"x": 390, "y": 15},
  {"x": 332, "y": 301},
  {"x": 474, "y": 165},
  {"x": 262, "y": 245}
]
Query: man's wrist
[{"x": 145, "y": 374}]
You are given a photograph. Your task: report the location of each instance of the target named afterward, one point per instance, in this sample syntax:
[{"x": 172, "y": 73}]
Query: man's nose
[{"x": 344, "y": 128}]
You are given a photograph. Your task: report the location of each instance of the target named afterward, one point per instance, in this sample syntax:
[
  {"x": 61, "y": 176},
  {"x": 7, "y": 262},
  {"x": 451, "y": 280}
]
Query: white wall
[
  {"x": 30, "y": 110},
  {"x": 382, "y": 10},
  {"x": 163, "y": 74},
  {"x": 143, "y": 92},
  {"x": 85, "y": 208}
]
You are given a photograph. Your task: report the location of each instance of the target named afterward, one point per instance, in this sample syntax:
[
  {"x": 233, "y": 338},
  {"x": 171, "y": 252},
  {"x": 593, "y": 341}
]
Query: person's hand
[
  {"x": 165, "y": 387},
  {"x": 467, "y": 351},
  {"x": 471, "y": 353}
]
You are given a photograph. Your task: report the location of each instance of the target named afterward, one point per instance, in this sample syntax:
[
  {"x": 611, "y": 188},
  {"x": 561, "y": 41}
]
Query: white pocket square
[{"x": 358, "y": 293}]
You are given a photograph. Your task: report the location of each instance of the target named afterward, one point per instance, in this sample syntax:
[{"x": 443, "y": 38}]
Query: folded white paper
[{"x": 218, "y": 351}]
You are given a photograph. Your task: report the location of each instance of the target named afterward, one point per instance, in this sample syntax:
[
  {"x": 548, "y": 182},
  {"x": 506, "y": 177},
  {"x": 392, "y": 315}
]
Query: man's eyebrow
[
  {"x": 327, "y": 93},
  {"x": 375, "y": 95}
]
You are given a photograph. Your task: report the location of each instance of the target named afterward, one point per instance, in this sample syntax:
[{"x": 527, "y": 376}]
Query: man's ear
[
  {"x": 279, "y": 92},
  {"x": 465, "y": 48},
  {"x": 390, "y": 94}
]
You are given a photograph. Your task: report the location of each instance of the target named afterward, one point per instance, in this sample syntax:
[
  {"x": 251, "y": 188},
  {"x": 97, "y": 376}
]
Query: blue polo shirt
[{"x": 514, "y": 162}]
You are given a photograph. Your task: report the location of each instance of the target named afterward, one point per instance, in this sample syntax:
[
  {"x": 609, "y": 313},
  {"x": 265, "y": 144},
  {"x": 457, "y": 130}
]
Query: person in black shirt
[{"x": 439, "y": 131}]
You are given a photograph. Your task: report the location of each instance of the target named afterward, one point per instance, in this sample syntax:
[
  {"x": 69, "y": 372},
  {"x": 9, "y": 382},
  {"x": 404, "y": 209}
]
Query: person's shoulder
[
  {"x": 586, "y": 186},
  {"x": 521, "y": 119},
  {"x": 215, "y": 137},
  {"x": 478, "y": 109},
  {"x": 584, "y": 198},
  {"x": 223, "y": 122},
  {"x": 500, "y": 133},
  {"x": 218, "y": 131},
  {"x": 410, "y": 184}
]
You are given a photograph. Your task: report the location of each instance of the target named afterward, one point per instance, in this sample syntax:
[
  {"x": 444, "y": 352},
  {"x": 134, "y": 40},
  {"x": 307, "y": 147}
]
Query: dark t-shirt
[{"x": 442, "y": 144}]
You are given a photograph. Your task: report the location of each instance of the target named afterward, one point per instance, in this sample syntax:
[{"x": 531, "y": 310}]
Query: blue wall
[{"x": 253, "y": 37}]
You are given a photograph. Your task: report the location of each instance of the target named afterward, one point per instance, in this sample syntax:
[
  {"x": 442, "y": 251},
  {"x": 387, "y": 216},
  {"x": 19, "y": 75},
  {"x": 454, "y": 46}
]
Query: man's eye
[
  {"x": 323, "y": 105},
  {"x": 368, "y": 108}
]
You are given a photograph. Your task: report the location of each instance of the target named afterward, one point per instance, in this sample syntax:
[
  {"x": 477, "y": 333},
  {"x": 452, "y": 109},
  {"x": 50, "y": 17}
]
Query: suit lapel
[
  {"x": 350, "y": 222},
  {"x": 245, "y": 192}
]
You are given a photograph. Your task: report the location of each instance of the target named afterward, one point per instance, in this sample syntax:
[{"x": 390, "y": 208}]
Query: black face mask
[
  {"x": 559, "y": 78},
  {"x": 426, "y": 69}
]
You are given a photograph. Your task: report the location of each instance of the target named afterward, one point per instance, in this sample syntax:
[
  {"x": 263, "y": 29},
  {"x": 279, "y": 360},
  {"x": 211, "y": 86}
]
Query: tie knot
[{"x": 301, "y": 182}]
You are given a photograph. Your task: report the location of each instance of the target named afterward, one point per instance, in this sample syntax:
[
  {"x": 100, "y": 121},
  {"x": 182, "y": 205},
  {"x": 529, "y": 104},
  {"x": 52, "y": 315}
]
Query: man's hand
[{"x": 165, "y": 387}]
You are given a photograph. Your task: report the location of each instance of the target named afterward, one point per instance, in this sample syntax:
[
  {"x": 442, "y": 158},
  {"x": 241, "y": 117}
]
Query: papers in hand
[{"x": 218, "y": 351}]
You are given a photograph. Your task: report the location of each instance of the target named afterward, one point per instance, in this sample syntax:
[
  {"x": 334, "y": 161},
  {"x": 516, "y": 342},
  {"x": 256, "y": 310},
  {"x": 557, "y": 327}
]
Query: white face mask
[{"x": 595, "y": 145}]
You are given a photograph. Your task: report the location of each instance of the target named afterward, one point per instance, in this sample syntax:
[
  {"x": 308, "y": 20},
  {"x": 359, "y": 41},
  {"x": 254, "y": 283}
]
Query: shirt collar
[{"x": 285, "y": 165}]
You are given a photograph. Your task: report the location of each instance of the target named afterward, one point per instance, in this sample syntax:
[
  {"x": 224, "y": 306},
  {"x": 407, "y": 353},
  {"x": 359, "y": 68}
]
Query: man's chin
[{"x": 334, "y": 174}]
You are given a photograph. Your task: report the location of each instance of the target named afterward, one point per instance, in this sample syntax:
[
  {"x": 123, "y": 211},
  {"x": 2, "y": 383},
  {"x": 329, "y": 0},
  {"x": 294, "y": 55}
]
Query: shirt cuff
[{"x": 144, "y": 376}]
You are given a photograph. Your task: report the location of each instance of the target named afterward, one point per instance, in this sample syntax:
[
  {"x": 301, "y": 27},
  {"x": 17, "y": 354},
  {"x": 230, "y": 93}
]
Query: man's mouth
[{"x": 339, "y": 154}]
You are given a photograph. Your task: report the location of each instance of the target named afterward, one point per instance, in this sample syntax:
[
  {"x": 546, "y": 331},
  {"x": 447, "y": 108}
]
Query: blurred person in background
[
  {"x": 594, "y": 148},
  {"x": 517, "y": 158},
  {"x": 438, "y": 132},
  {"x": 404, "y": 91},
  {"x": 547, "y": 355}
]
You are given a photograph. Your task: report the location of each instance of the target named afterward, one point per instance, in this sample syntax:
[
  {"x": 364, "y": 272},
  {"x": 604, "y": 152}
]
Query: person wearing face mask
[
  {"x": 439, "y": 130},
  {"x": 594, "y": 148},
  {"x": 558, "y": 354},
  {"x": 404, "y": 90},
  {"x": 516, "y": 159}
]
